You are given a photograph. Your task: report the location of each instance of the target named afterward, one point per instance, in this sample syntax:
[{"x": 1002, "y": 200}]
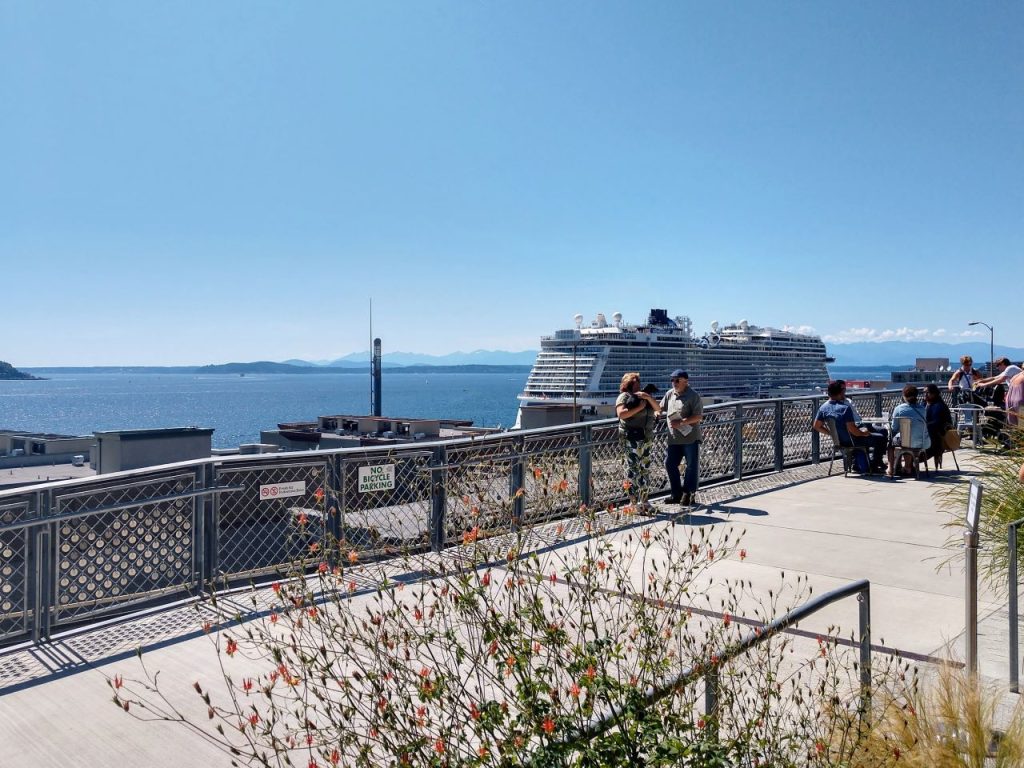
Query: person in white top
[
  {"x": 1007, "y": 371},
  {"x": 961, "y": 383}
]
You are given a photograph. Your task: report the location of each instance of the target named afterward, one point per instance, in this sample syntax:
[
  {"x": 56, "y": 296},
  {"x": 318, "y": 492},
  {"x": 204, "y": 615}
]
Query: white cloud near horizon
[{"x": 853, "y": 335}]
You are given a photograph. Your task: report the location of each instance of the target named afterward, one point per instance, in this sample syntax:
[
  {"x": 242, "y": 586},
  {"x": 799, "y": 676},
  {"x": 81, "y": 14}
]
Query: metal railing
[
  {"x": 709, "y": 670},
  {"x": 80, "y": 550},
  {"x": 1011, "y": 536}
]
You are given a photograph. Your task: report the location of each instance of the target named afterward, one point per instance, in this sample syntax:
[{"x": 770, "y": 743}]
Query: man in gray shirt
[{"x": 683, "y": 410}]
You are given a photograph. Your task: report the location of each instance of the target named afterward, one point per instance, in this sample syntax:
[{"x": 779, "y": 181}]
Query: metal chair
[
  {"x": 917, "y": 455},
  {"x": 846, "y": 451}
]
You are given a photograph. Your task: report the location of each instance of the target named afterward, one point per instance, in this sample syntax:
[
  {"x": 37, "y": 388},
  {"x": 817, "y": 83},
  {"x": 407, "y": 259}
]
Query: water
[{"x": 238, "y": 407}]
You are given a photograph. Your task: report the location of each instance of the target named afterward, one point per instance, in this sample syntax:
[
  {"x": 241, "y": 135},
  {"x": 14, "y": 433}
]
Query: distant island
[
  {"x": 268, "y": 367},
  {"x": 9, "y": 373}
]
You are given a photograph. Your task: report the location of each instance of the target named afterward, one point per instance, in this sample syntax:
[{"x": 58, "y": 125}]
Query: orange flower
[
  {"x": 538, "y": 472},
  {"x": 439, "y": 746},
  {"x": 303, "y": 519},
  {"x": 726, "y": 618},
  {"x": 353, "y": 556},
  {"x": 574, "y": 690},
  {"x": 626, "y": 485},
  {"x": 563, "y": 485},
  {"x": 471, "y": 535},
  {"x": 118, "y": 681},
  {"x": 549, "y": 725},
  {"x": 486, "y": 580},
  {"x": 743, "y": 554},
  {"x": 319, "y": 493},
  {"x": 232, "y": 647},
  {"x": 323, "y": 568},
  {"x": 276, "y": 588}
]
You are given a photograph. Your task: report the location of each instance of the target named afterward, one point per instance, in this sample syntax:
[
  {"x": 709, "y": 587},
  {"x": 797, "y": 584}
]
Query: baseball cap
[{"x": 679, "y": 373}]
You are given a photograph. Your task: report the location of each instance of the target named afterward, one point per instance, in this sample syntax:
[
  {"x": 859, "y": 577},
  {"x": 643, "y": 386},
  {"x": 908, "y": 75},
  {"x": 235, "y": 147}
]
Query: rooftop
[{"x": 832, "y": 529}]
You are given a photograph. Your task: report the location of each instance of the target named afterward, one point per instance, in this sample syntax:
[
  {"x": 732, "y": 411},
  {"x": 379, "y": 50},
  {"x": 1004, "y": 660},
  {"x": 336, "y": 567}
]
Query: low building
[
  {"x": 926, "y": 370},
  {"x": 351, "y": 431},
  {"x": 134, "y": 448},
  {"x": 31, "y": 449}
]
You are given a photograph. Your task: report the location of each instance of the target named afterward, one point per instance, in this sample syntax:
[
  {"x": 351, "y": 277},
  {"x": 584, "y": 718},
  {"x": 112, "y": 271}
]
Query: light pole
[{"x": 991, "y": 346}]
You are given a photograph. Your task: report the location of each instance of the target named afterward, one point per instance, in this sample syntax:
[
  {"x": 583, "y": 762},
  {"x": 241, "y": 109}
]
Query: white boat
[{"x": 577, "y": 372}]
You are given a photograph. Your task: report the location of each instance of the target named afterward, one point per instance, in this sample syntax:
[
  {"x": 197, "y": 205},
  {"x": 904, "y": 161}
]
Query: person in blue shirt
[
  {"x": 846, "y": 426},
  {"x": 919, "y": 439}
]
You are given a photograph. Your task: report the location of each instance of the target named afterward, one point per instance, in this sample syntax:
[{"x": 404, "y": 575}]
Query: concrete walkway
[{"x": 55, "y": 706}]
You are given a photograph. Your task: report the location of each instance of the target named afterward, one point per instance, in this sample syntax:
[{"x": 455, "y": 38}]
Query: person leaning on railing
[
  {"x": 847, "y": 429},
  {"x": 961, "y": 384},
  {"x": 1015, "y": 400}
]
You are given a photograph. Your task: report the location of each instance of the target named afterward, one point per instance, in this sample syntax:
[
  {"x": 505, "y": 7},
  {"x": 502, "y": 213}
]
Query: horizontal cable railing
[{"x": 76, "y": 550}]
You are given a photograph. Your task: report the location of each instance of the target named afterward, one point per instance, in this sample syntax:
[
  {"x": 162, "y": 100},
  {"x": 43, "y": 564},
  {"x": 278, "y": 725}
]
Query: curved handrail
[{"x": 709, "y": 669}]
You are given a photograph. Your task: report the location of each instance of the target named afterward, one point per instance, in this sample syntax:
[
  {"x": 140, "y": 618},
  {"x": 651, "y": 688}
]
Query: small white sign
[
  {"x": 974, "y": 506},
  {"x": 380, "y": 477},
  {"x": 282, "y": 490}
]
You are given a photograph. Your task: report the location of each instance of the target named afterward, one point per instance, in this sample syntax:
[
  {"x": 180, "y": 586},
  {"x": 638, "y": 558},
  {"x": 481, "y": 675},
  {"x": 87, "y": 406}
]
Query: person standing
[
  {"x": 684, "y": 411},
  {"x": 636, "y": 410},
  {"x": 961, "y": 384}
]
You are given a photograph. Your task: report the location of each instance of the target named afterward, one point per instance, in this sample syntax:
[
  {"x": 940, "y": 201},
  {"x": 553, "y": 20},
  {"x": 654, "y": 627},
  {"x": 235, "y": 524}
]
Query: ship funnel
[{"x": 601, "y": 322}]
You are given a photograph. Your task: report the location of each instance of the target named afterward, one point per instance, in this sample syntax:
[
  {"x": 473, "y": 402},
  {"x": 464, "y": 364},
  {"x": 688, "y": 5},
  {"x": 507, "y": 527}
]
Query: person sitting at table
[
  {"x": 919, "y": 439},
  {"x": 858, "y": 419},
  {"x": 847, "y": 429},
  {"x": 939, "y": 420}
]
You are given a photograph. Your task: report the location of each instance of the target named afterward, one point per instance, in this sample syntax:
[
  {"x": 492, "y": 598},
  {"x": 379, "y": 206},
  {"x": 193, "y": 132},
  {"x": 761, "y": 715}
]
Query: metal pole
[
  {"x": 737, "y": 448},
  {"x": 780, "y": 427},
  {"x": 971, "y": 594},
  {"x": 711, "y": 704},
  {"x": 586, "y": 447},
  {"x": 1014, "y": 658},
  {"x": 438, "y": 499},
  {"x": 864, "y": 621}
]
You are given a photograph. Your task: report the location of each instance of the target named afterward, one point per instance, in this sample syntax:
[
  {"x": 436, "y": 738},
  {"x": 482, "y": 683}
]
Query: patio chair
[
  {"x": 917, "y": 455},
  {"x": 848, "y": 452}
]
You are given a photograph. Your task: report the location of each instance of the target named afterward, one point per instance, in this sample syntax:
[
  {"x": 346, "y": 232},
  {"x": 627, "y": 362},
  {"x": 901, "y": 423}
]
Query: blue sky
[{"x": 204, "y": 182}]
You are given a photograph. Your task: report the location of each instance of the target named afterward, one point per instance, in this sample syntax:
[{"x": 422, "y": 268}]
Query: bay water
[{"x": 238, "y": 407}]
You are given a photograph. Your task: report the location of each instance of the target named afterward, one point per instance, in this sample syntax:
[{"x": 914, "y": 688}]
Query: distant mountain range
[
  {"x": 478, "y": 357},
  {"x": 898, "y": 354}
]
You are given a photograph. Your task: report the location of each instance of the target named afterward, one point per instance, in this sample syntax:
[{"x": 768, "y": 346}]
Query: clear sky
[{"x": 206, "y": 182}]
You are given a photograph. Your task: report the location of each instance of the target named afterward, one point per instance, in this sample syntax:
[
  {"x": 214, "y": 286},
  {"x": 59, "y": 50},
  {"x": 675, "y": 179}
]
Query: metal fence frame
[
  {"x": 79, "y": 550},
  {"x": 710, "y": 670}
]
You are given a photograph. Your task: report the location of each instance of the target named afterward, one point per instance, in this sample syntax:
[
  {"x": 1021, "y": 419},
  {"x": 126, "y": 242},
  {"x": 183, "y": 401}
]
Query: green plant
[{"x": 1002, "y": 504}]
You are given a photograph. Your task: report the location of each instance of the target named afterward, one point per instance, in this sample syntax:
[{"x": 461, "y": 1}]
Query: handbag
[
  {"x": 636, "y": 433},
  {"x": 951, "y": 439}
]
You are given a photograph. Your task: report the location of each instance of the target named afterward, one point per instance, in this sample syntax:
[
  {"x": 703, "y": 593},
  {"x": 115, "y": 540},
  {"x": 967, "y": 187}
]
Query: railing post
[
  {"x": 780, "y": 457},
  {"x": 334, "y": 499},
  {"x": 517, "y": 481},
  {"x": 438, "y": 498},
  {"x": 737, "y": 449},
  {"x": 711, "y": 702},
  {"x": 878, "y": 404},
  {"x": 586, "y": 435},
  {"x": 201, "y": 512},
  {"x": 864, "y": 622},
  {"x": 1014, "y": 658},
  {"x": 971, "y": 595}
]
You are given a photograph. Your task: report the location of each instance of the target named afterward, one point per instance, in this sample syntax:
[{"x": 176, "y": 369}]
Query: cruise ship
[{"x": 578, "y": 370}]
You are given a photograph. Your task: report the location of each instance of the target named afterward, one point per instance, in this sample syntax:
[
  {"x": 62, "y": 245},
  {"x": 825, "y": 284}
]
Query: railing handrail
[
  {"x": 653, "y": 694},
  {"x": 368, "y": 451}
]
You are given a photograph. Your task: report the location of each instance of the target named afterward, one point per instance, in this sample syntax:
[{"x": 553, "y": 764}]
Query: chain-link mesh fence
[
  {"x": 279, "y": 518},
  {"x": 385, "y": 502},
  {"x": 99, "y": 545}
]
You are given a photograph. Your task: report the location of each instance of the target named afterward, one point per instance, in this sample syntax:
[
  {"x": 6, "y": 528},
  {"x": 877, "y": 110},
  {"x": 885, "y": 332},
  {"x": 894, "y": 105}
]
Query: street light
[{"x": 991, "y": 346}]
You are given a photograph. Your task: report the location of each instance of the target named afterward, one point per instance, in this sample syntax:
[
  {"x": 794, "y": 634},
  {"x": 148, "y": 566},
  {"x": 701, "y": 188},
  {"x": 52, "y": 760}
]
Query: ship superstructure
[{"x": 577, "y": 372}]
